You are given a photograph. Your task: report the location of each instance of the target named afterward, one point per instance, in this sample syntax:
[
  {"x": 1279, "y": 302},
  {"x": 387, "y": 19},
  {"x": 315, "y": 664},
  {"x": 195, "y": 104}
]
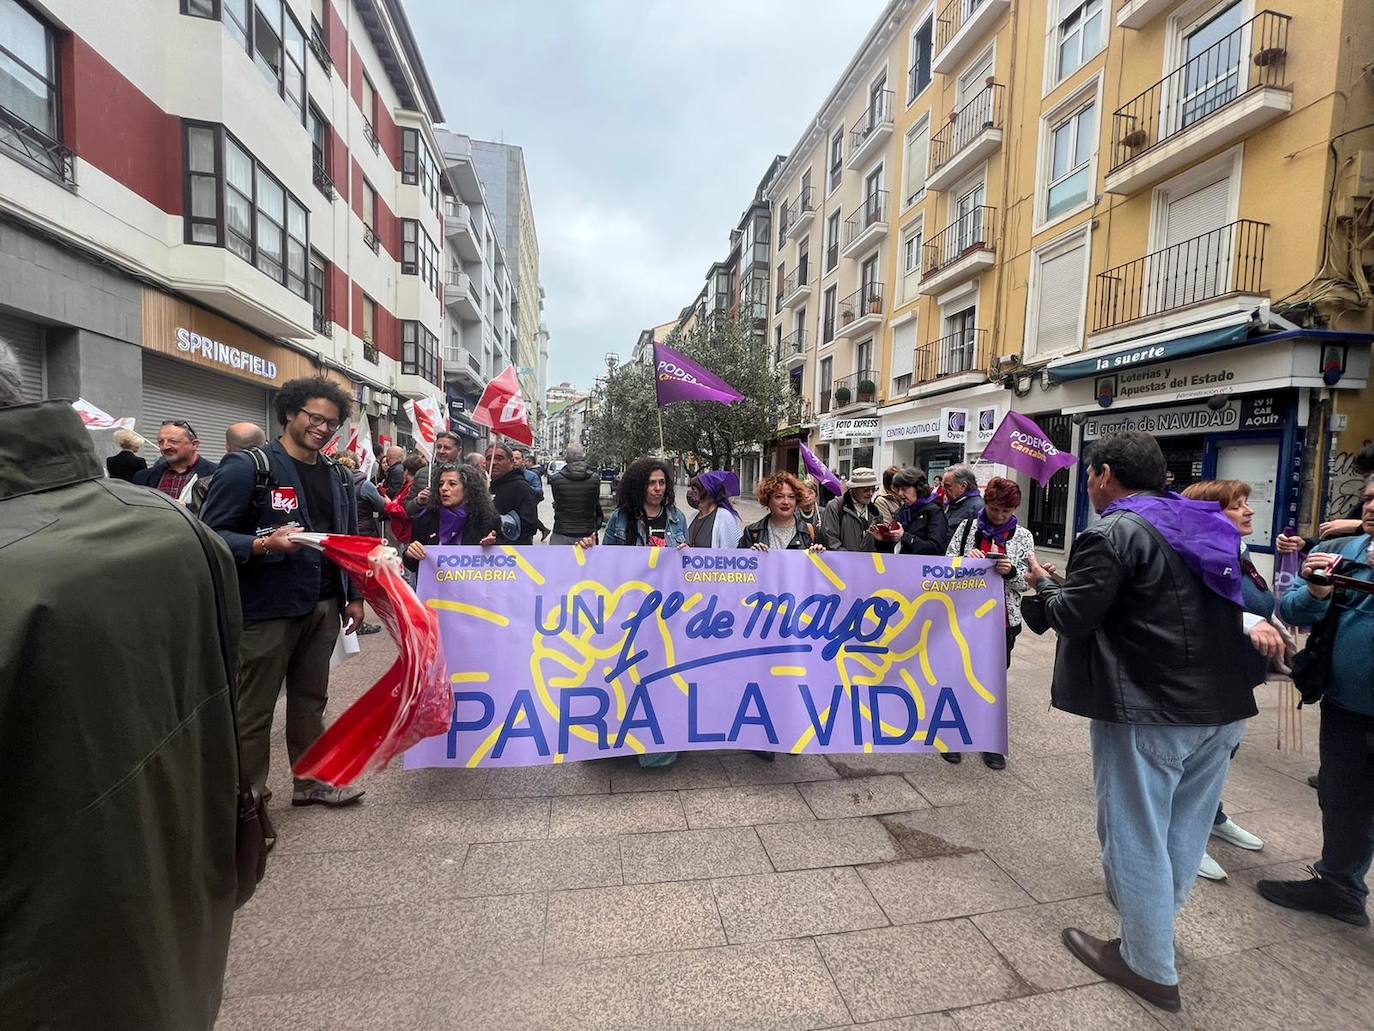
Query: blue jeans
[{"x": 1157, "y": 793}]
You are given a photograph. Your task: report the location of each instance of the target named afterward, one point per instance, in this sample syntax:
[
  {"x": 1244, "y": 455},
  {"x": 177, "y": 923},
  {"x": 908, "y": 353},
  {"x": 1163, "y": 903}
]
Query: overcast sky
[{"x": 646, "y": 127}]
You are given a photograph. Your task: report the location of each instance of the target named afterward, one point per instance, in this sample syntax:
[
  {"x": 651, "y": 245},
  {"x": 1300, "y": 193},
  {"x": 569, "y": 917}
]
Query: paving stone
[
  {"x": 489, "y": 819},
  {"x": 920, "y": 1022},
  {"x": 745, "y": 806},
  {"x": 1029, "y": 938},
  {"x": 1058, "y": 775},
  {"x": 917, "y": 890},
  {"x": 861, "y": 796},
  {"x": 1076, "y": 1009},
  {"x": 1248, "y": 990},
  {"x": 1344, "y": 973},
  {"x": 918, "y": 968},
  {"x": 797, "y": 846},
  {"x": 944, "y": 784},
  {"x": 589, "y": 923},
  {"x": 582, "y": 778},
  {"x": 1251, "y": 785},
  {"x": 745, "y": 768},
  {"x": 692, "y": 770},
  {"x": 359, "y": 1007},
  {"x": 795, "y": 904},
  {"x": 694, "y": 854},
  {"x": 597, "y": 815},
  {"x": 337, "y": 880},
  {"x": 511, "y": 867}
]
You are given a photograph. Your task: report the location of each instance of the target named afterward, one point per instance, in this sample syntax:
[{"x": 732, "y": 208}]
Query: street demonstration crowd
[{"x": 149, "y": 627}]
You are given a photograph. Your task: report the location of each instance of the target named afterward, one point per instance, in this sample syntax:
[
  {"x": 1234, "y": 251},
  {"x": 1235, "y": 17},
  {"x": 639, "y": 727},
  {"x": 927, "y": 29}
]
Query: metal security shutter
[
  {"x": 211, "y": 403},
  {"x": 25, "y": 339},
  {"x": 1059, "y": 289}
]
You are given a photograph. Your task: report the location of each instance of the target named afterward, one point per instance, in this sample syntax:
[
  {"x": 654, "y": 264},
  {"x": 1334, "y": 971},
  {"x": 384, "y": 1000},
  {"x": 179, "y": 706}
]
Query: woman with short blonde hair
[{"x": 126, "y": 463}]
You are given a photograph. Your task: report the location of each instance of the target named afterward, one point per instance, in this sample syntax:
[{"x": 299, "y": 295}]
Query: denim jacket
[{"x": 618, "y": 525}]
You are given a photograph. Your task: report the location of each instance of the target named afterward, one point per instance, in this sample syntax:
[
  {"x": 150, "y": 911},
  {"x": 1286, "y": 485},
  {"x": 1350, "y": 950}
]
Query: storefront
[
  {"x": 944, "y": 431},
  {"x": 848, "y": 442}
]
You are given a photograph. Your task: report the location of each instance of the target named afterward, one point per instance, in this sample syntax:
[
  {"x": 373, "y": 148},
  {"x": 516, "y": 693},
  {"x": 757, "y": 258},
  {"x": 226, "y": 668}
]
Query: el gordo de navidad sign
[{"x": 219, "y": 353}]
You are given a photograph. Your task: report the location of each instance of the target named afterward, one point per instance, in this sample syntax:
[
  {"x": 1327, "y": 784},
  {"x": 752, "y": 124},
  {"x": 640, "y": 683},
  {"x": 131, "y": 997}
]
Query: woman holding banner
[
  {"x": 783, "y": 528},
  {"x": 994, "y": 533},
  {"x": 460, "y": 512},
  {"x": 716, "y": 524},
  {"x": 921, "y": 527}
]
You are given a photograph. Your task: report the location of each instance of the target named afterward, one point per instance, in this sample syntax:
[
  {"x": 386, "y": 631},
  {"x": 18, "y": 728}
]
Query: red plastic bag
[{"x": 412, "y": 700}]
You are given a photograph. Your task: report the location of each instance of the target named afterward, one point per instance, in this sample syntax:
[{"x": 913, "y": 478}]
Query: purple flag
[
  {"x": 1022, "y": 445},
  {"x": 823, "y": 475},
  {"x": 1199, "y": 531},
  {"x": 678, "y": 378}
]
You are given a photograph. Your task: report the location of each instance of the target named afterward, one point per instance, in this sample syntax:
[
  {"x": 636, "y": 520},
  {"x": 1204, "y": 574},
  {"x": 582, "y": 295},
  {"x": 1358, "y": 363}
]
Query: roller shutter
[
  {"x": 210, "y": 402},
  {"x": 25, "y": 339}
]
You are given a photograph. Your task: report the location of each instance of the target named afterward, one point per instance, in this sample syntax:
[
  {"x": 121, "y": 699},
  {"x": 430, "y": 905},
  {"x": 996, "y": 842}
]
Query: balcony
[
  {"x": 458, "y": 227},
  {"x": 461, "y": 364},
  {"x": 322, "y": 181},
  {"x": 370, "y": 238},
  {"x": 867, "y": 226},
  {"x": 855, "y": 391},
  {"x": 873, "y": 128},
  {"x": 973, "y": 133},
  {"x": 1234, "y": 87},
  {"x": 319, "y": 48},
  {"x": 370, "y": 352},
  {"x": 37, "y": 149},
  {"x": 799, "y": 213},
  {"x": 959, "y": 252},
  {"x": 962, "y": 25},
  {"x": 370, "y": 134},
  {"x": 1136, "y": 14},
  {"x": 961, "y": 352},
  {"x": 1225, "y": 262},
  {"x": 792, "y": 349},
  {"x": 832, "y": 256},
  {"x": 861, "y": 311},
  {"x": 796, "y": 288},
  {"x": 460, "y": 297}
]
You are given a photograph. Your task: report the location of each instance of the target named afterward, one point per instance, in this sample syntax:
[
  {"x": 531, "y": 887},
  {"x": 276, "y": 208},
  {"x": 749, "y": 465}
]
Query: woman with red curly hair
[
  {"x": 994, "y": 533},
  {"x": 783, "y": 528}
]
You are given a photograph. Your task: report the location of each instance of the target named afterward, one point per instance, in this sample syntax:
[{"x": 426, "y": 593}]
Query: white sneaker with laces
[
  {"x": 1229, "y": 831},
  {"x": 1210, "y": 869}
]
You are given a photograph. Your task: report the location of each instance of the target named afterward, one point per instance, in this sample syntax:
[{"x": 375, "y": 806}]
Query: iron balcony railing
[
  {"x": 827, "y": 330},
  {"x": 35, "y": 147},
  {"x": 370, "y": 134},
  {"x": 982, "y": 112},
  {"x": 861, "y": 387},
  {"x": 1253, "y": 56},
  {"x": 795, "y": 280},
  {"x": 878, "y": 113},
  {"x": 319, "y": 48},
  {"x": 823, "y": 405},
  {"x": 832, "y": 255},
  {"x": 872, "y": 211},
  {"x": 323, "y": 182},
  {"x": 321, "y": 322},
  {"x": 972, "y": 231},
  {"x": 951, "y": 19},
  {"x": 792, "y": 344},
  {"x": 370, "y": 352},
  {"x": 1228, "y": 260},
  {"x": 803, "y": 204},
  {"x": 964, "y": 350},
  {"x": 867, "y": 300},
  {"x": 370, "y": 237}
]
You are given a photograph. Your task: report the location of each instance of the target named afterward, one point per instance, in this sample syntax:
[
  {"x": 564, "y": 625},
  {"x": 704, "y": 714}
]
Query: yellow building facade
[{"x": 1104, "y": 214}]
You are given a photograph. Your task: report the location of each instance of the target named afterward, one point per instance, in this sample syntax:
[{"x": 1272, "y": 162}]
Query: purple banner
[
  {"x": 558, "y": 655},
  {"x": 820, "y": 470},
  {"x": 678, "y": 378},
  {"x": 1022, "y": 445}
]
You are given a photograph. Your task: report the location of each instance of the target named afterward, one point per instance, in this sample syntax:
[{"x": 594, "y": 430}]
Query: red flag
[{"x": 503, "y": 408}]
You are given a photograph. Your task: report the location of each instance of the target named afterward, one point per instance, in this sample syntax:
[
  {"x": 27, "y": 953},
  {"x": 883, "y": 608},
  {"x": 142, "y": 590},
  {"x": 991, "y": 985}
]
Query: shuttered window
[
  {"x": 211, "y": 403},
  {"x": 25, "y": 339},
  {"x": 914, "y": 168},
  {"x": 904, "y": 351},
  {"x": 1059, "y": 299}
]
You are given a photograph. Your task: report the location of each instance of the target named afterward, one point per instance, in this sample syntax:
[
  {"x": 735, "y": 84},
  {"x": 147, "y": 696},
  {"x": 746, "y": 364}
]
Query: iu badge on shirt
[{"x": 284, "y": 499}]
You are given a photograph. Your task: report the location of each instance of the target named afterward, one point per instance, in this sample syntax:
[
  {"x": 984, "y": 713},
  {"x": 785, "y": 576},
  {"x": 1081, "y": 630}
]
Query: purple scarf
[
  {"x": 1203, "y": 537},
  {"x": 907, "y": 512},
  {"x": 451, "y": 523},
  {"x": 721, "y": 486},
  {"x": 1000, "y": 534}
]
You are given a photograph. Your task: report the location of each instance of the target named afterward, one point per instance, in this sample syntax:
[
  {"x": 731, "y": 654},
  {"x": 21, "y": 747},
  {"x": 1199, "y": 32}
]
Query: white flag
[
  {"x": 97, "y": 419},
  {"x": 427, "y": 418}
]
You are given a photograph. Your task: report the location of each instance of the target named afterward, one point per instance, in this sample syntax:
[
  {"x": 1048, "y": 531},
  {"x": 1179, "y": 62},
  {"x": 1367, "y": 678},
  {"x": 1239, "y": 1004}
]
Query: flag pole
[{"x": 662, "y": 448}]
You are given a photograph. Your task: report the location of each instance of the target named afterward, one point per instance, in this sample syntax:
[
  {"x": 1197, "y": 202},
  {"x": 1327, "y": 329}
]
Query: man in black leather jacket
[
  {"x": 1157, "y": 660},
  {"x": 576, "y": 499}
]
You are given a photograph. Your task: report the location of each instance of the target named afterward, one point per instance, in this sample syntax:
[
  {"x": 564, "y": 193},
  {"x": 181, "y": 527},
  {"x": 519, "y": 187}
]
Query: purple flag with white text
[
  {"x": 823, "y": 475},
  {"x": 1022, "y": 445},
  {"x": 678, "y": 378}
]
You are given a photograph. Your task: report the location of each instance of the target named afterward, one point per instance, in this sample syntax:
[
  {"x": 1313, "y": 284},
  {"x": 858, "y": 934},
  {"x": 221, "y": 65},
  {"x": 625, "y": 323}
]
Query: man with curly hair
[{"x": 293, "y": 597}]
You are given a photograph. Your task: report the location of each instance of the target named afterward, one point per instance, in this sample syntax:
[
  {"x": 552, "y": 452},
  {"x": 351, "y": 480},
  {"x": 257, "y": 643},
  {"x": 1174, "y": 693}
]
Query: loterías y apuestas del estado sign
[{"x": 219, "y": 353}]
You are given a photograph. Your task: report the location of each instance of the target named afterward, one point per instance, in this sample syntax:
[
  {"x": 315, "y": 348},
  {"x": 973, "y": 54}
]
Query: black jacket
[
  {"x": 924, "y": 531},
  {"x": 425, "y": 529},
  {"x": 966, "y": 507},
  {"x": 576, "y": 500},
  {"x": 125, "y": 466},
  {"x": 757, "y": 533},
  {"x": 150, "y": 476},
  {"x": 513, "y": 493},
  {"x": 1141, "y": 640},
  {"x": 284, "y": 585}
]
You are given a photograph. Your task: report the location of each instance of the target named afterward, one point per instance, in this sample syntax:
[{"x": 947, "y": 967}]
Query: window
[
  {"x": 828, "y": 317},
  {"x": 1072, "y": 145},
  {"x": 803, "y": 260},
  {"x": 419, "y": 352},
  {"x": 419, "y": 254},
  {"x": 868, "y": 281},
  {"x": 915, "y": 162},
  {"x": 319, "y": 298},
  {"x": 1080, "y": 34},
  {"x": 903, "y": 357},
  {"x": 410, "y": 156},
  {"x": 832, "y": 241},
  {"x": 369, "y": 106},
  {"x": 1213, "y": 55},
  {"x": 825, "y": 382},
  {"x": 234, "y": 14},
  {"x": 199, "y": 8},
  {"x": 1058, "y": 275},
  {"x": 293, "y": 76},
  {"x": 28, "y": 88},
  {"x": 912, "y": 240},
  {"x": 319, "y": 151},
  {"x": 782, "y": 223},
  {"x": 234, "y": 202},
  {"x": 369, "y": 321},
  {"x": 863, "y": 358},
  {"x": 271, "y": 35},
  {"x": 919, "y": 75},
  {"x": 958, "y": 343},
  {"x": 369, "y": 215},
  {"x": 836, "y": 158}
]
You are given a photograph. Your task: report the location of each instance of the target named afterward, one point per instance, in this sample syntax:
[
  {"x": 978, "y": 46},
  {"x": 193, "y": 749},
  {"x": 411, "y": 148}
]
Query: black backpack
[{"x": 262, "y": 482}]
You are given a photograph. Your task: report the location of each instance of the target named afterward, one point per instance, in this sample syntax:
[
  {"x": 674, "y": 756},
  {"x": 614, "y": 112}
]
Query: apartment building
[
  {"x": 1104, "y": 214},
  {"x": 200, "y": 201},
  {"x": 479, "y": 327}
]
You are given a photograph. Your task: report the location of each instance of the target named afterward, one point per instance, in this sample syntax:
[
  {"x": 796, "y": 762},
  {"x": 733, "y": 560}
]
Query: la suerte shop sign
[{"x": 217, "y": 352}]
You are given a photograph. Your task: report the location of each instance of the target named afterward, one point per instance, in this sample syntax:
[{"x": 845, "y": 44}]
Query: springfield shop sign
[
  {"x": 850, "y": 429},
  {"x": 216, "y": 352}
]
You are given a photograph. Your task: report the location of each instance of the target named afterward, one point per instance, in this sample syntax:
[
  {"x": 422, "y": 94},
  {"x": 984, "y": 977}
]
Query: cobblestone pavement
[{"x": 812, "y": 892}]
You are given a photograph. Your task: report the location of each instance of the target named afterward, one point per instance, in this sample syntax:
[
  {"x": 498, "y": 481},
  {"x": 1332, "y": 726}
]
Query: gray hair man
[
  {"x": 962, "y": 498},
  {"x": 576, "y": 499}
]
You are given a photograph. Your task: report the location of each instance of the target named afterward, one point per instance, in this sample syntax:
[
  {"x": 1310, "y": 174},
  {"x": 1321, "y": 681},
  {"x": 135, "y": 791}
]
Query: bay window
[{"x": 30, "y": 105}]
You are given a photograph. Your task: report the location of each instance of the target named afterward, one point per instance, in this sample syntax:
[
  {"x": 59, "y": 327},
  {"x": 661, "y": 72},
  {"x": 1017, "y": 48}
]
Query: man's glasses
[
  {"x": 183, "y": 424},
  {"x": 317, "y": 421}
]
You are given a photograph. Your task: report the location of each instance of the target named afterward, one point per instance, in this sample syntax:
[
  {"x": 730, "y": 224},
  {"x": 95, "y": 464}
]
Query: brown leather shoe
[{"x": 1105, "y": 958}]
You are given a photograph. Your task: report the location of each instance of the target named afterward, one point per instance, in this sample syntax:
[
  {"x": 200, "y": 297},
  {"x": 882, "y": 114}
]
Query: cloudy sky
[{"x": 646, "y": 127}]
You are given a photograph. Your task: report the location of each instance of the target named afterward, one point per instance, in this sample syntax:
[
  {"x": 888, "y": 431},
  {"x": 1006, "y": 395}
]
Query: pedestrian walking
[
  {"x": 921, "y": 527},
  {"x": 1151, "y": 649},
  {"x": 783, "y": 528},
  {"x": 576, "y": 498},
  {"x": 1345, "y": 787},
  {"x": 293, "y": 597},
  {"x": 120, "y": 769},
  {"x": 181, "y": 463},
  {"x": 995, "y": 533},
  {"x": 959, "y": 494},
  {"x": 849, "y": 522},
  {"x": 716, "y": 524},
  {"x": 126, "y": 463},
  {"x": 515, "y": 500},
  {"x": 645, "y": 513},
  {"x": 460, "y": 511}
]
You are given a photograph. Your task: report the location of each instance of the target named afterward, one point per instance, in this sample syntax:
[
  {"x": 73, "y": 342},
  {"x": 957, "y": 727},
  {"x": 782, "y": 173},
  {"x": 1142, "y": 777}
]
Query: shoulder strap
[
  {"x": 968, "y": 526},
  {"x": 262, "y": 474}
]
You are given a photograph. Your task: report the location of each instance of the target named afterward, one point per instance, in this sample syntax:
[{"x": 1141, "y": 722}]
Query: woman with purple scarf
[
  {"x": 994, "y": 533},
  {"x": 920, "y": 526},
  {"x": 459, "y": 512},
  {"x": 716, "y": 524}
]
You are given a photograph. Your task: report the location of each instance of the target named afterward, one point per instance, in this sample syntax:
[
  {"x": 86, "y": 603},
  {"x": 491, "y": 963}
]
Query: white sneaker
[
  {"x": 1210, "y": 869},
  {"x": 1236, "y": 835}
]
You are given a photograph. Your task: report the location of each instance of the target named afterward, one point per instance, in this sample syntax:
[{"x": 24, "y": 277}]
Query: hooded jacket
[
  {"x": 117, "y": 753},
  {"x": 844, "y": 526},
  {"x": 512, "y": 493},
  {"x": 576, "y": 500}
]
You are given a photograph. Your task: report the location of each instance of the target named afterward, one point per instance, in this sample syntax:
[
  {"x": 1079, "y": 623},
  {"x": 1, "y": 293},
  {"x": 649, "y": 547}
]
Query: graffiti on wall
[{"x": 1345, "y": 484}]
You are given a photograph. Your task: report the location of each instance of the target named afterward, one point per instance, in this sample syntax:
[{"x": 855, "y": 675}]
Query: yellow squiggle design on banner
[{"x": 463, "y": 609}]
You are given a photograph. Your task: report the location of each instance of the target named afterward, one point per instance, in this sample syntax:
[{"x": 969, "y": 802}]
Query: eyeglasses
[
  {"x": 183, "y": 424},
  {"x": 319, "y": 420}
]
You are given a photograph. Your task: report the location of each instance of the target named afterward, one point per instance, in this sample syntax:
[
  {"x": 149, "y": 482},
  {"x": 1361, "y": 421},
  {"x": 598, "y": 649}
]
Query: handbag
[
  {"x": 1312, "y": 667},
  {"x": 250, "y": 842}
]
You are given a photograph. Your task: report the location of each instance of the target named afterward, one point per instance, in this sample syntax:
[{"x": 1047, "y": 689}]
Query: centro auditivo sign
[{"x": 216, "y": 352}]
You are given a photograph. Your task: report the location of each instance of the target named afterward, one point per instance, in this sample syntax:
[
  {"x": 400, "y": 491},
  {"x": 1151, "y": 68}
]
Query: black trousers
[{"x": 1345, "y": 790}]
